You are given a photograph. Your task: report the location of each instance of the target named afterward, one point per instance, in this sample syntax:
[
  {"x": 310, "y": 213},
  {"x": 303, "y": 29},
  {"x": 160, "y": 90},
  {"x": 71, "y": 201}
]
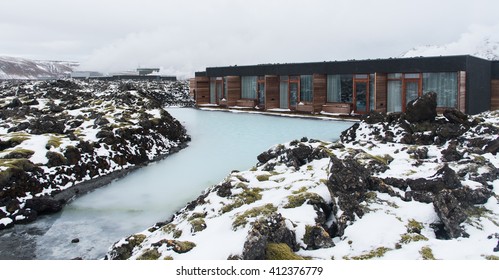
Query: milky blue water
[{"x": 221, "y": 142}]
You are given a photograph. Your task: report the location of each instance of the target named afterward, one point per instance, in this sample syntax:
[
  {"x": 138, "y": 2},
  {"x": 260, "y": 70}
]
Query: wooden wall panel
[
  {"x": 461, "y": 91},
  {"x": 319, "y": 91},
  {"x": 202, "y": 90},
  {"x": 192, "y": 87},
  {"x": 233, "y": 90},
  {"x": 381, "y": 88},
  {"x": 494, "y": 95},
  {"x": 271, "y": 92}
]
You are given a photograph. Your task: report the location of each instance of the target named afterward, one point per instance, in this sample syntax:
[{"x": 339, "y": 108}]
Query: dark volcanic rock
[
  {"x": 316, "y": 238},
  {"x": 451, "y": 153},
  {"x": 492, "y": 147},
  {"x": 15, "y": 103},
  {"x": 450, "y": 213},
  {"x": 55, "y": 159},
  {"x": 269, "y": 230},
  {"x": 456, "y": 116},
  {"x": 423, "y": 189},
  {"x": 44, "y": 205},
  {"x": 224, "y": 190},
  {"x": 349, "y": 182},
  {"x": 423, "y": 108}
]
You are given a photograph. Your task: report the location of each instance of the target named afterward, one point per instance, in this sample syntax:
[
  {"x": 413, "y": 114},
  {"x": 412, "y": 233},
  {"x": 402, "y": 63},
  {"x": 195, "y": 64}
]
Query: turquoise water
[{"x": 221, "y": 142}]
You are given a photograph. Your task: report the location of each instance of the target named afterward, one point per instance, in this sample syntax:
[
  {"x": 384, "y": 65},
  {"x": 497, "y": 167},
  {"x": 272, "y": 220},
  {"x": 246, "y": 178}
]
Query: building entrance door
[{"x": 361, "y": 96}]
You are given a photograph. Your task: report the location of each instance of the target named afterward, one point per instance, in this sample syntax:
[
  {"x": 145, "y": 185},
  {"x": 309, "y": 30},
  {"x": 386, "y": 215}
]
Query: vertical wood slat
[
  {"x": 494, "y": 95},
  {"x": 192, "y": 87},
  {"x": 461, "y": 91},
  {"x": 233, "y": 90},
  {"x": 271, "y": 92},
  {"x": 202, "y": 90},
  {"x": 381, "y": 89},
  {"x": 319, "y": 91}
]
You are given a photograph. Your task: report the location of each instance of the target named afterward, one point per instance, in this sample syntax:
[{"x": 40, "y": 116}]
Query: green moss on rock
[
  {"x": 263, "y": 177},
  {"x": 172, "y": 229},
  {"x": 426, "y": 253},
  {"x": 412, "y": 237},
  {"x": 376, "y": 253},
  {"x": 19, "y": 153},
  {"x": 265, "y": 211},
  {"x": 150, "y": 254},
  {"x": 247, "y": 196},
  {"x": 197, "y": 224},
  {"x": 298, "y": 200},
  {"x": 414, "y": 226},
  {"x": 280, "y": 251}
]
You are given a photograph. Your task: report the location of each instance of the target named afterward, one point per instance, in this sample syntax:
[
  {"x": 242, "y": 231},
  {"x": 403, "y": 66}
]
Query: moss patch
[
  {"x": 180, "y": 246},
  {"x": 150, "y": 254},
  {"x": 19, "y": 153},
  {"x": 492, "y": 258},
  {"x": 247, "y": 196},
  {"x": 172, "y": 229},
  {"x": 136, "y": 239},
  {"x": 376, "y": 253},
  {"x": 300, "y": 190},
  {"x": 414, "y": 226},
  {"x": 412, "y": 237},
  {"x": 280, "y": 251},
  {"x": 426, "y": 253},
  {"x": 298, "y": 200},
  {"x": 265, "y": 211},
  {"x": 54, "y": 141},
  {"x": 263, "y": 177},
  {"x": 197, "y": 224}
]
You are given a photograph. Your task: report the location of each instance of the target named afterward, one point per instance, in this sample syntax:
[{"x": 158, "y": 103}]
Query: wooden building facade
[{"x": 467, "y": 83}]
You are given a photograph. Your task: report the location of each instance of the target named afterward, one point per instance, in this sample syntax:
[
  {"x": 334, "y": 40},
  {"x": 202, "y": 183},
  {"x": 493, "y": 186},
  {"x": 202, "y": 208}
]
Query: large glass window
[
  {"x": 213, "y": 90},
  {"x": 394, "y": 96},
  {"x": 339, "y": 88},
  {"x": 249, "y": 87},
  {"x": 445, "y": 85},
  {"x": 283, "y": 92},
  {"x": 306, "y": 88}
]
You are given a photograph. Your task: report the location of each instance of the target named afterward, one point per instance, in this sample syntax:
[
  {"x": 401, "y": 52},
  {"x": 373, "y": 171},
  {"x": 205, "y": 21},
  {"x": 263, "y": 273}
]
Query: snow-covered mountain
[
  {"x": 479, "y": 41},
  {"x": 22, "y": 68}
]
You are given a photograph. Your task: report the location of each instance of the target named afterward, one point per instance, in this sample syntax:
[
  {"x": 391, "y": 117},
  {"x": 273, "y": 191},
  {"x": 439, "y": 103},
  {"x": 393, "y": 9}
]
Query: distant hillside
[
  {"x": 482, "y": 43},
  {"x": 21, "y": 68}
]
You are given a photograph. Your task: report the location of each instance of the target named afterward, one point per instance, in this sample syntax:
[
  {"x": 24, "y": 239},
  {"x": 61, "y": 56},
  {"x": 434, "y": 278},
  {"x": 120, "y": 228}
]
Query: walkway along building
[{"x": 467, "y": 83}]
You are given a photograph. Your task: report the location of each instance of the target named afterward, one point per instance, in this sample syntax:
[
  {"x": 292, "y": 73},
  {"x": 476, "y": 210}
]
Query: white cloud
[
  {"x": 478, "y": 40},
  {"x": 190, "y": 35}
]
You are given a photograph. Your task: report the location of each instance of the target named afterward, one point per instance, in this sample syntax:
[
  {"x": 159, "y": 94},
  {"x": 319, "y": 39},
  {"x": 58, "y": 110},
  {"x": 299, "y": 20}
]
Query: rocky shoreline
[
  {"x": 64, "y": 138},
  {"x": 400, "y": 186}
]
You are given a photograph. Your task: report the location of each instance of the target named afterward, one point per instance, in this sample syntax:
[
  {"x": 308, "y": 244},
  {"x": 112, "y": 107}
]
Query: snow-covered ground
[
  {"x": 54, "y": 135},
  {"x": 290, "y": 192}
]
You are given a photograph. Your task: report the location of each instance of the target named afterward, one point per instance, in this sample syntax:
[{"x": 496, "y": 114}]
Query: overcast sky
[{"x": 189, "y": 35}]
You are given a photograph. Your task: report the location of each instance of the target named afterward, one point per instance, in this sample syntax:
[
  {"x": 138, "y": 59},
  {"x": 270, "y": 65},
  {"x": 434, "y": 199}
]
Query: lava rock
[
  {"x": 450, "y": 213},
  {"x": 224, "y": 190},
  {"x": 75, "y": 240},
  {"x": 15, "y": 103},
  {"x": 451, "y": 153},
  {"x": 44, "y": 205},
  {"x": 55, "y": 159},
  {"x": 456, "y": 116},
  {"x": 492, "y": 147},
  {"x": 316, "y": 238},
  {"x": 268, "y": 230},
  {"x": 423, "y": 108}
]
